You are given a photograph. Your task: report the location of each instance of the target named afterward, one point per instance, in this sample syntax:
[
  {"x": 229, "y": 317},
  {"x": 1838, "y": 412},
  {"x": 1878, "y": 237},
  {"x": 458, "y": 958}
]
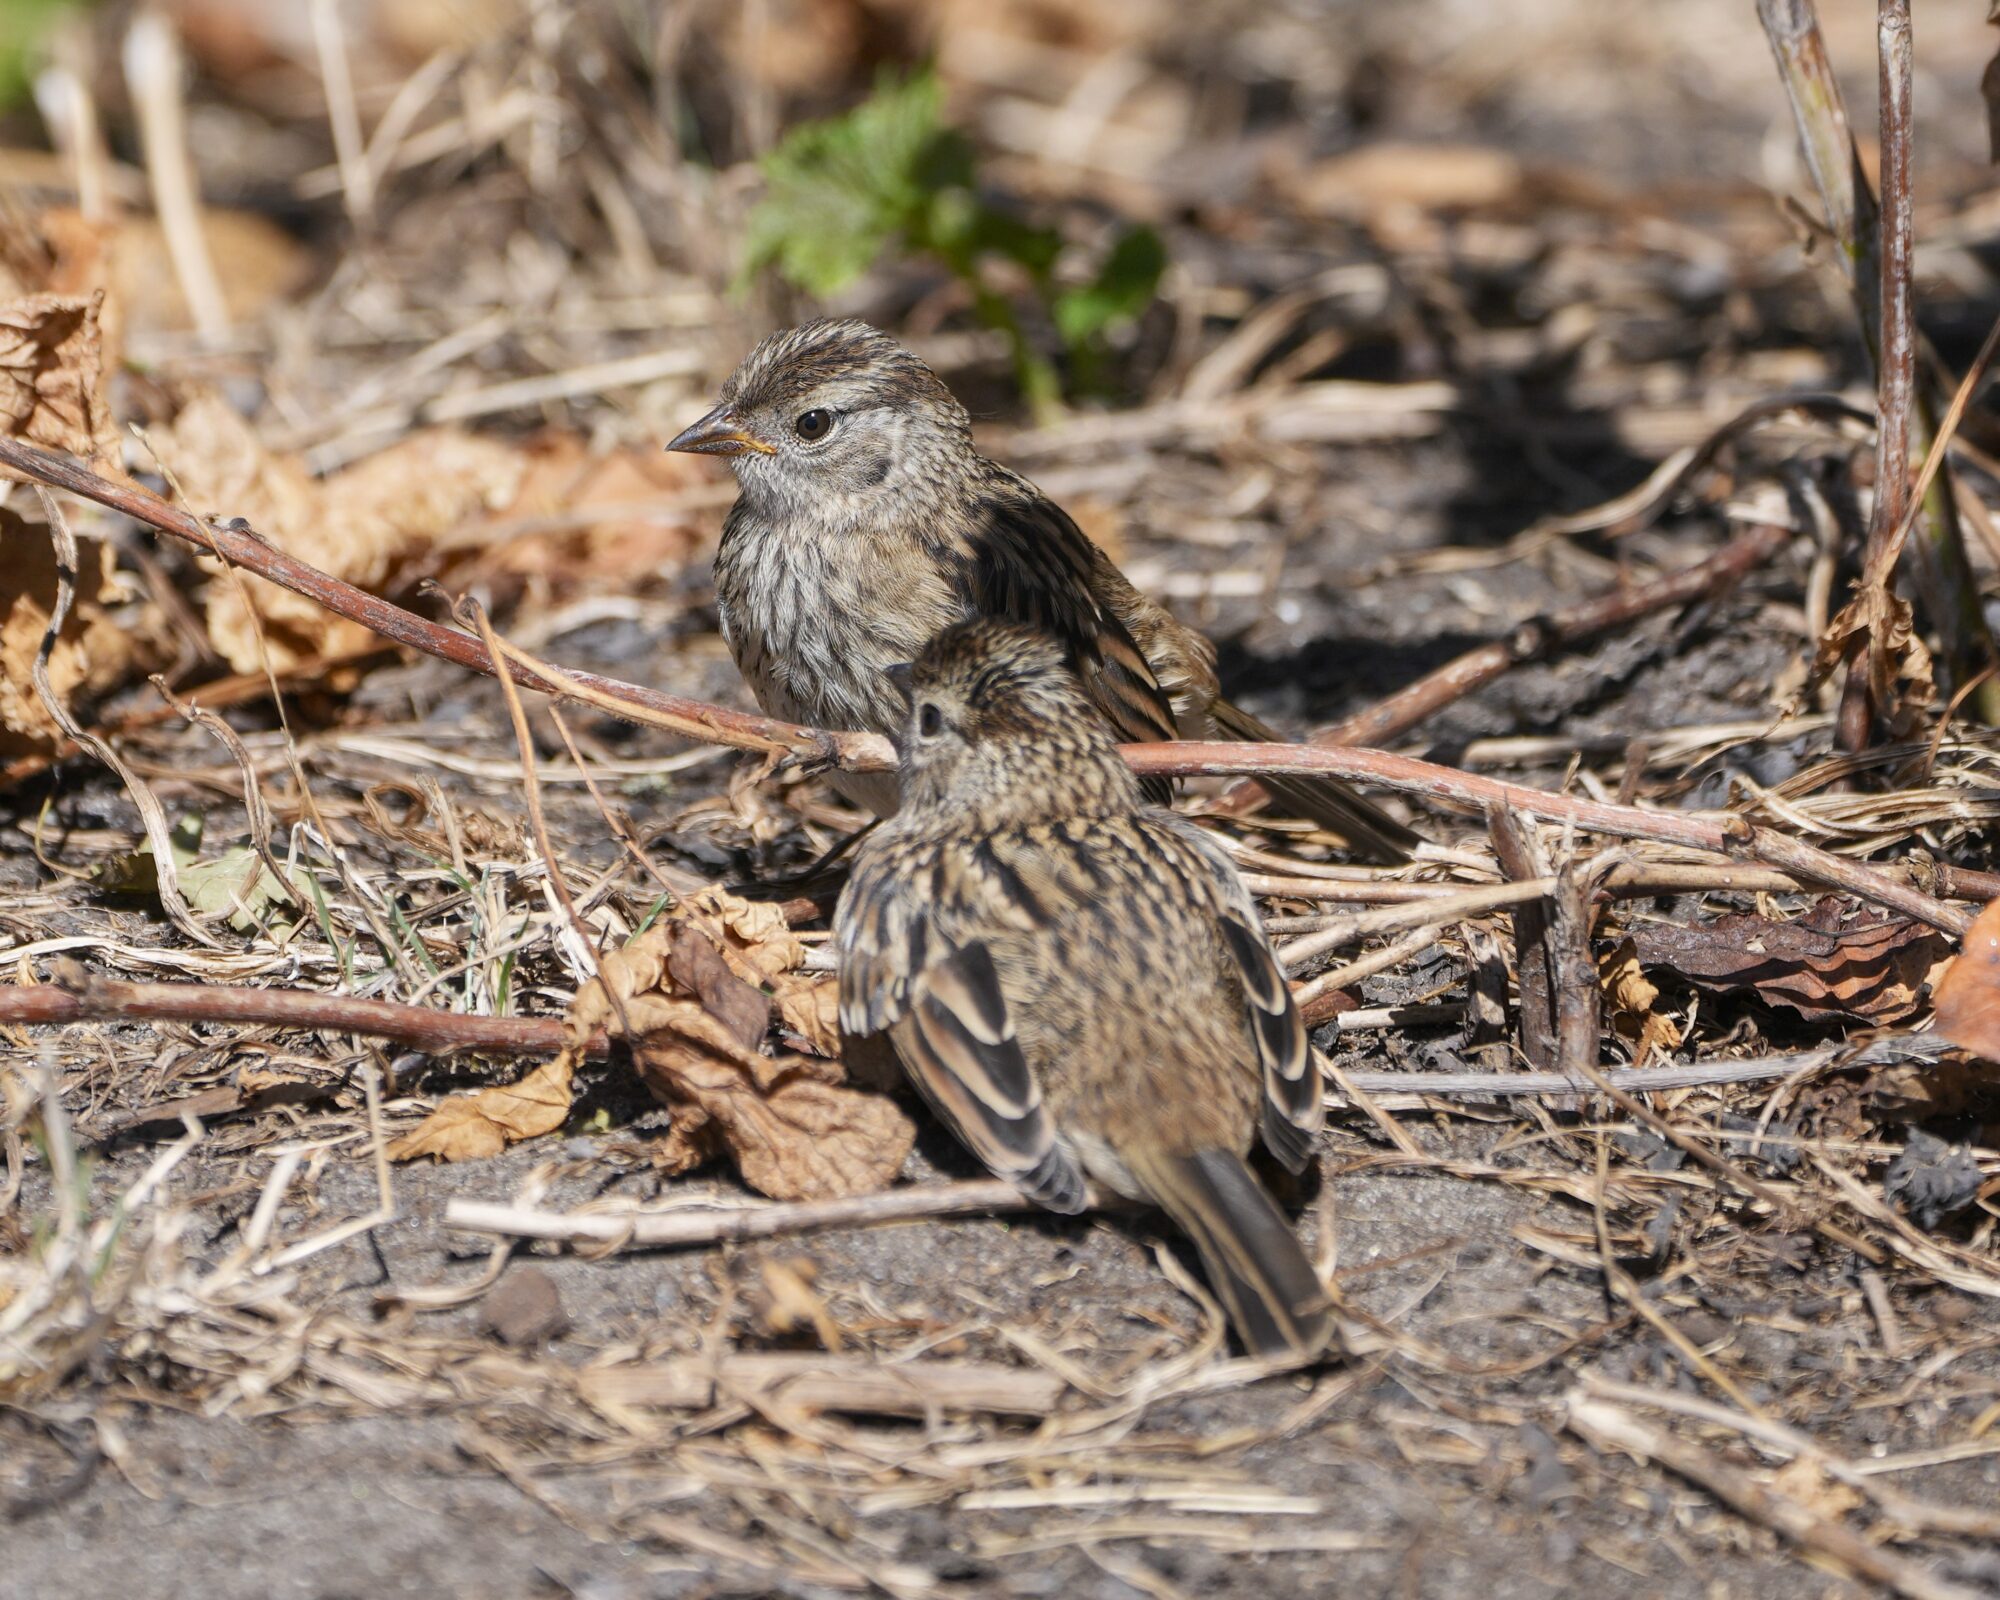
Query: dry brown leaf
[
  {"x": 753, "y": 936},
  {"x": 1630, "y": 996},
  {"x": 1818, "y": 965},
  {"x": 468, "y": 1127},
  {"x": 794, "y": 1128},
  {"x": 787, "y": 1302},
  {"x": 614, "y": 515},
  {"x": 52, "y": 375},
  {"x": 811, "y": 1008},
  {"x": 1804, "y": 1480},
  {"x": 1901, "y": 681},
  {"x": 698, "y": 968},
  {"x": 257, "y": 264},
  {"x": 94, "y": 652},
  {"x": 1968, "y": 992},
  {"x": 368, "y": 524}
]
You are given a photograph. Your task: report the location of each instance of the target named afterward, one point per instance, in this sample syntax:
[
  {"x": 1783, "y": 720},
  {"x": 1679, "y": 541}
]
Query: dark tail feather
[
  {"x": 1255, "y": 1263},
  {"x": 1368, "y": 829}
]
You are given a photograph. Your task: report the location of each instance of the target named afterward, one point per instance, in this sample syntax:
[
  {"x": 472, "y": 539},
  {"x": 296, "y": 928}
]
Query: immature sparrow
[
  {"x": 866, "y": 521},
  {"x": 1077, "y": 980}
]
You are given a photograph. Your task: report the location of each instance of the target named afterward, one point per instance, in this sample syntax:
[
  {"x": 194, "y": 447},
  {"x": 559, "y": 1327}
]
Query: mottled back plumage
[
  {"x": 1076, "y": 979},
  {"x": 868, "y": 520}
]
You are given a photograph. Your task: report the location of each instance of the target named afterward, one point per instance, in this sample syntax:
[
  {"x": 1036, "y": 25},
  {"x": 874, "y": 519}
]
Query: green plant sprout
[{"x": 890, "y": 173}]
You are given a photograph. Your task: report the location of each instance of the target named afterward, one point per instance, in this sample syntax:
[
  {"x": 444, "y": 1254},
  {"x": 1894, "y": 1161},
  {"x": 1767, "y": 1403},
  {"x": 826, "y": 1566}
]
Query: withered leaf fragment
[
  {"x": 794, "y": 1128},
  {"x": 687, "y": 998},
  {"x": 1819, "y": 965},
  {"x": 52, "y": 375},
  {"x": 1968, "y": 994}
]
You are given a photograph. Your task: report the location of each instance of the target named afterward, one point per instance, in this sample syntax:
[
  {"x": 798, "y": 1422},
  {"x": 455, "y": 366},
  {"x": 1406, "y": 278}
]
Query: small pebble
[{"x": 525, "y": 1308}]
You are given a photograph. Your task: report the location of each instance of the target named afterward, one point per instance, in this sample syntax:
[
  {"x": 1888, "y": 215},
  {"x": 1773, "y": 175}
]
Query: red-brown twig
[
  {"x": 714, "y": 724},
  {"x": 1571, "y": 625},
  {"x": 1936, "y": 560},
  {"x": 867, "y": 752},
  {"x": 77, "y": 996},
  {"x": 1531, "y": 641},
  {"x": 1730, "y": 836}
]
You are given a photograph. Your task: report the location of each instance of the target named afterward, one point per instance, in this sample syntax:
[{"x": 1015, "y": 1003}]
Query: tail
[
  {"x": 1370, "y": 830},
  {"x": 1255, "y": 1263}
]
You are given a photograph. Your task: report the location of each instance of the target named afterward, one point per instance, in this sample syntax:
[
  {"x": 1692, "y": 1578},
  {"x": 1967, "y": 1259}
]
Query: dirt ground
[{"x": 236, "y": 1423}]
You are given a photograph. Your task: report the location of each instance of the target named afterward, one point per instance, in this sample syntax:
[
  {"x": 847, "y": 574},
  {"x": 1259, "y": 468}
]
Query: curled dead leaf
[
  {"x": 95, "y": 651},
  {"x": 686, "y": 997},
  {"x": 1968, "y": 991},
  {"x": 793, "y": 1125},
  {"x": 368, "y": 524},
  {"x": 753, "y": 936},
  {"x": 469, "y": 1127},
  {"x": 52, "y": 375},
  {"x": 698, "y": 968},
  {"x": 1630, "y": 997},
  {"x": 811, "y": 1009},
  {"x": 795, "y": 1129},
  {"x": 1819, "y": 965},
  {"x": 1901, "y": 678}
]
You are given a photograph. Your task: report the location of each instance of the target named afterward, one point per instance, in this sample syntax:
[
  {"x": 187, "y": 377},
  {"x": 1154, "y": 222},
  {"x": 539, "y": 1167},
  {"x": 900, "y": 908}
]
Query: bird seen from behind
[
  {"x": 1078, "y": 980},
  {"x": 867, "y": 520}
]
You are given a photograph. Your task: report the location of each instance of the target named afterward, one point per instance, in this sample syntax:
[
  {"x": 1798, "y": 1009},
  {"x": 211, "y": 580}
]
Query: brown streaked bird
[
  {"x": 1077, "y": 980},
  {"x": 867, "y": 521}
]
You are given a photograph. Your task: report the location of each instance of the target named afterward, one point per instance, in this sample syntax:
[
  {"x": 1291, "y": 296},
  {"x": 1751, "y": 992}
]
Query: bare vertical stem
[
  {"x": 1895, "y": 345},
  {"x": 357, "y": 179},
  {"x": 1521, "y": 857},
  {"x": 1937, "y": 563},
  {"x": 1573, "y": 970}
]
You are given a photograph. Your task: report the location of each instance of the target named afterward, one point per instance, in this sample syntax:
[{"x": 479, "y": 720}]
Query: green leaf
[
  {"x": 24, "y": 27},
  {"x": 237, "y": 881},
  {"x": 133, "y": 871},
  {"x": 838, "y": 191},
  {"x": 1124, "y": 287}
]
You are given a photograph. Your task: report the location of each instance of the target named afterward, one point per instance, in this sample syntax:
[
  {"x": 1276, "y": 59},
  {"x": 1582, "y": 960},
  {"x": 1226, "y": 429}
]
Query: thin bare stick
[
  {"x": 531, "y": 788},
  {"x": 1337, "y": 978},
  {"x": 1534, "y": 640},
  {"x": 153, "y": 72},
  {"x": 1937, "y": 562},
  {"x": 240, "y": 547},
  {"x": 1731, "y": 836},
  {"x": 860, "y": 1385},
  {"x": 1560, "y": 630},
  {"x": 688, "y": 1226},
  {"x": 357, "y": 178},
  {"x": 1970, "y": 1521},
  {"x": 1522, "y": 858},
  {"x": 1330, "y": 933},
  {"x": 78, "y": 995}
]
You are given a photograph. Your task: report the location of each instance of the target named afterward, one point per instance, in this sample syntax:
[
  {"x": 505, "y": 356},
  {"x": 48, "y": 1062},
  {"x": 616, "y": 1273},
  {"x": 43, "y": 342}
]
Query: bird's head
[
  {"x": 999, "y": 726},
  {"x": 835, "y": 421}
]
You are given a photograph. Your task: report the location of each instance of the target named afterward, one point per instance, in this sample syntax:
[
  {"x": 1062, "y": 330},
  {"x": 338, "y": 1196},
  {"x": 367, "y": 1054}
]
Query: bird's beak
[{"x": 720, "y": 433}]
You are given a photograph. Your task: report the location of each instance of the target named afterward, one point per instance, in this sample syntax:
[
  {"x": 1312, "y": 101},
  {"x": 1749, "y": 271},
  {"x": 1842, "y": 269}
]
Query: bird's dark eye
[
  {"x": 813, "y": 424},
  {"x": 930, "y": 722}
]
